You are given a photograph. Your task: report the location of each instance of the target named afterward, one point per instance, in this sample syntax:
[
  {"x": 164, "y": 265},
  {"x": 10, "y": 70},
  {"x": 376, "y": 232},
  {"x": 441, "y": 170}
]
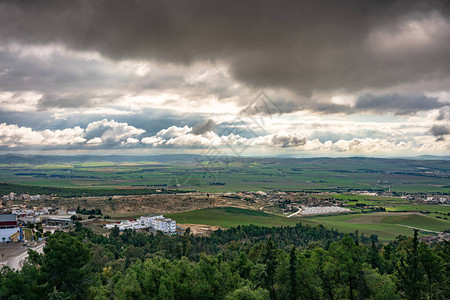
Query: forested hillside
[{"x": 247, "y": 262}]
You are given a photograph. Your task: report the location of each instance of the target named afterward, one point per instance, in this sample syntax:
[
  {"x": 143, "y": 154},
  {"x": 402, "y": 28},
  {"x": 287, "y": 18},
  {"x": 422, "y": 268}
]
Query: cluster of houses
[
  {"x": 155, "y": 222},
  {"x": 428, "y": 199},
  {"x": 34, "y": 214},
  {"x": 11, "y": 226},
  {"x": 438, "y": 199},
  {"x": 13, "y": 196},
  {"x": 26, "y": 214},
  {"x": 444, "y": 236}
]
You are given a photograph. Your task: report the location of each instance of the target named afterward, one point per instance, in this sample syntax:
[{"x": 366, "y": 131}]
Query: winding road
[
  {"x": 16, "y": 262},
  {"x": 296, "y": 213}
]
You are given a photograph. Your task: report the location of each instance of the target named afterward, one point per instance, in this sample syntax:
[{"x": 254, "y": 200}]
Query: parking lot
[{"x": 10, "y": 249}]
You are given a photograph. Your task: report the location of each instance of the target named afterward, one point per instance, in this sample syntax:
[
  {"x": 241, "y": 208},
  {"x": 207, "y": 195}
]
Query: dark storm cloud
[
  {"x": 305, "y": 46},
  {"x": 400, "y": 104},
  {"x": 203, "y": 127},
  {"x": 439, "y": 130},
  {"x": 328, "y": 108},
  {"x": 76, "y": 100},
  {"x": 70, "y": 81},
  {"x": 379, "y": 104},
  {"x": 285, "y": 141},
  {"x": 55, "y": 74}
]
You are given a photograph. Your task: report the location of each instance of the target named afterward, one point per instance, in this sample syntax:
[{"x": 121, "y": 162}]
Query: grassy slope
[
  {"x": 230, "y": 217},
  {"x": 418, "y": 207},
  {"x": 382, "y": 224},
  {"x": 419, "y": 221}
]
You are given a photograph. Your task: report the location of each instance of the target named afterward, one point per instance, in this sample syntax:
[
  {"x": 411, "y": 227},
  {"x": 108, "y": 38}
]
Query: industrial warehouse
[{"x": 9, "y": 228}]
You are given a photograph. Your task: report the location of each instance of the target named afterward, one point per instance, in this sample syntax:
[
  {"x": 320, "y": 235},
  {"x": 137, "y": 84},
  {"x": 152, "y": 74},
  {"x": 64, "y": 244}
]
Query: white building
[
  {"x": 30, "y": 219},
  {"x": 19, "y": 212},
  {"x": 61, "y": 211},
  {"x": 127, "y": 224},
  {"x": 8, "y": 227},
  {"x": 112, "y": 225},
  {"x": 43, "y": 211},
  {"x": 25, "y": 196},
  {"x": 157, "y": 222},
  {"x": 9, "y": 197},
  {"x": 147, "y": 221},
  {"x": 122, "y": 225},
  {"x": 164, "y": 225}
]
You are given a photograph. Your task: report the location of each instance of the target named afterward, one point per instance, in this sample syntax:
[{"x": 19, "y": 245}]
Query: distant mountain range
[
  {"x": 447, "y": 157},
  {"x": 43, "y": 159}
]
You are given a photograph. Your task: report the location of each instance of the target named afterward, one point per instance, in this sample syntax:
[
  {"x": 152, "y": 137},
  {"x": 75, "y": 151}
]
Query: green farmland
[
  {"x": 392, "y": 204},
  {"x": 386, "y": 225},
  {"x": 238, "y": 174},
  {"x": 323, "y": 178},
  {"x": 231, "y": 217}
]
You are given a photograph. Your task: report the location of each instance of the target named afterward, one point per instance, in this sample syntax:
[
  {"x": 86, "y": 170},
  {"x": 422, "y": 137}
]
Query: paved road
[{"x": 16, "y": 262}]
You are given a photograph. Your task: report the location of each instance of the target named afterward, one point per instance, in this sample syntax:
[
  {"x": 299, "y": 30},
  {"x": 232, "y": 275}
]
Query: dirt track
[{"x": 199, "y": 229}]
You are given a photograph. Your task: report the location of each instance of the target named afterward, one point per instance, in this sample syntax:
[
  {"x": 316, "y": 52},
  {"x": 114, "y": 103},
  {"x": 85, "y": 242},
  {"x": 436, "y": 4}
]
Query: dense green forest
[{"x": 247, "y": 262}]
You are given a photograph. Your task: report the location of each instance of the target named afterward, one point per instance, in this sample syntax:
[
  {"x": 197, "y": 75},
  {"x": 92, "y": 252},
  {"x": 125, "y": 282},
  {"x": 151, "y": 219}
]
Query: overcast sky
[{"x": 321, "y": 78}]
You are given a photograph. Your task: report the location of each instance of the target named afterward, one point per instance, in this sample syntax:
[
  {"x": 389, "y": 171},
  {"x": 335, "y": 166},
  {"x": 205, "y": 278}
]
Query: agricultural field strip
[{"x": 266, "y": 174}]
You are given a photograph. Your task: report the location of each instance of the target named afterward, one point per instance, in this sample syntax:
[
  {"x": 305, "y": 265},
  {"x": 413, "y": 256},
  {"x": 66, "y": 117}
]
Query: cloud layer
[
  {"x": 339, "y": 76},
  {"x": 312, "y": 46},
  {"x": 105, "y": 134}
]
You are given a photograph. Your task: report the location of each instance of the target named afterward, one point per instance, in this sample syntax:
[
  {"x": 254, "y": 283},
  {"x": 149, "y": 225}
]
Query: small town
[{"x": 291, "y": 204}]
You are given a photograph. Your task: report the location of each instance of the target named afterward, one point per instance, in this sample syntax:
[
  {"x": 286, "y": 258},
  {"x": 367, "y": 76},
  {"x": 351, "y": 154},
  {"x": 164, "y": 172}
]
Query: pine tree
[
  {"x": 293, "y": 291},
  {"x": 410, "y": 272},
  {"x": 374, "y": 255},
  {"x": 269, "y": 259}
]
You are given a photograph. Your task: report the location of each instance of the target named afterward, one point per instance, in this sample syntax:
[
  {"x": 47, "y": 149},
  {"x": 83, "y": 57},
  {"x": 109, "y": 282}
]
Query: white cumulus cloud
[
  {"x": 111, "y": 132},
  {"x": 102, "y": 132},
  {"x": 15, "y": 136}
]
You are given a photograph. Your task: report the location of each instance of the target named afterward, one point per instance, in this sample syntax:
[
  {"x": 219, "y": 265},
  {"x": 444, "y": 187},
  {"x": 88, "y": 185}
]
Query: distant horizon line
[{"x": 281, "y": 156}]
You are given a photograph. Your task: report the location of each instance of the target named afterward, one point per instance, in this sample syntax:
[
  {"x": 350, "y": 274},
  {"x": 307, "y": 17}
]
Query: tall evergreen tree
[
  {"x": 64, "y": 263},
  {"x": 374, "y": 255},
  {"x": 293, "y": 290},
  {"x": 410, "y": 273},
  {"x": 269, "y": 259}
]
